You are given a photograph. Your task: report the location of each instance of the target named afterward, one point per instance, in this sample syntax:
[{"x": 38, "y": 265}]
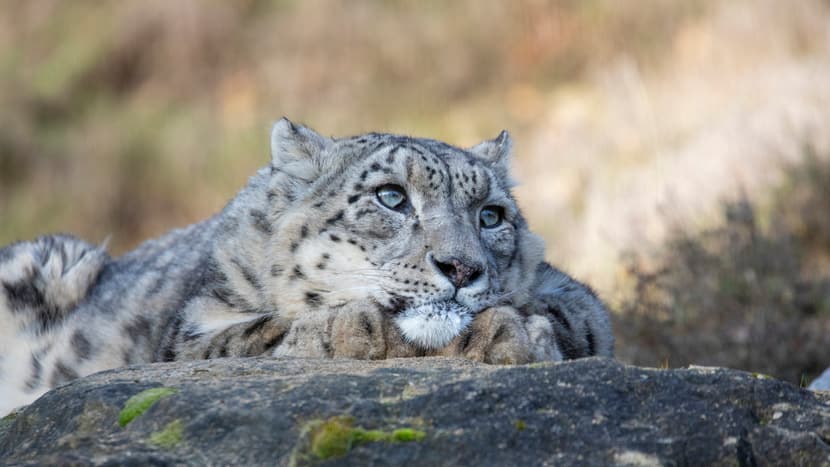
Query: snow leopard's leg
[
  {"x": 246, "y": 339},
  {"x": 565, "y": 320},
  {"x": 362, "y": 330},
  {"x": 500, "y": 336},
  {"x": 211, "y": 328},
  {"x": 358, "y": 330},
  {"x": 579, "y": 318}
]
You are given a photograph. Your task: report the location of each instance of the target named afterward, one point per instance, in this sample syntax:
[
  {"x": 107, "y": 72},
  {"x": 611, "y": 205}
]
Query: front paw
[
  {"x": 497, "y": 336},
  {"x": 359, "y": 331},
  {"x": 308, "y": 337},
  {"x": 542, "y": 340}
]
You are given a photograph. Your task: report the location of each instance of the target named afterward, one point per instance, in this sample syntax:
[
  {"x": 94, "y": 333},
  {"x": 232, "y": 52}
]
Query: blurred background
[{"x": 676, "y": 155}]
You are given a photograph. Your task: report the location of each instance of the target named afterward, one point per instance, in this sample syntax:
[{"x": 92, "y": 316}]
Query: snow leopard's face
[{"x": 427, "y": 230}]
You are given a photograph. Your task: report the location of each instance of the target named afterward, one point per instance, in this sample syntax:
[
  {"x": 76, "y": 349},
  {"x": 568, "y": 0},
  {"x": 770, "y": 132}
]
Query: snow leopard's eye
[
  {"x": 392, "y": 196},
  {"x": 491, "y": 216}
]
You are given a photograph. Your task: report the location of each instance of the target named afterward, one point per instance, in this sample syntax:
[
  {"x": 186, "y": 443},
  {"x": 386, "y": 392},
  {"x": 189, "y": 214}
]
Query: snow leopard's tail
[{"x": 43, "y": 280}]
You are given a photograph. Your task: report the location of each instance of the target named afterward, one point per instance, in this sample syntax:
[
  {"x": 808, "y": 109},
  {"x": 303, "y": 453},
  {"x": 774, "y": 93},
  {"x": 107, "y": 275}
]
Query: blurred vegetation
[
  {"x": 125, "y": 119},
  {"x": 746, "y": 293}
]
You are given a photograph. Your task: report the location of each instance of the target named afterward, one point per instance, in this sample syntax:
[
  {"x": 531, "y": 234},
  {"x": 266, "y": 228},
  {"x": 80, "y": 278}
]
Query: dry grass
[
  {"x": 735, "y": 96},
  {"x": 739, "y": 294}
]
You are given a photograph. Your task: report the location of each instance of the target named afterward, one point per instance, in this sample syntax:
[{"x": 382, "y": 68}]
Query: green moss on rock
[
  {"x": 406, "y": 435},
  {"x": 332, "y": 438},
  {"x": 336, "y": 436},
  {"x": 170, "y": 436},
  {"x": 6, "y": 423},
  {"x": 139, "y": 403}
]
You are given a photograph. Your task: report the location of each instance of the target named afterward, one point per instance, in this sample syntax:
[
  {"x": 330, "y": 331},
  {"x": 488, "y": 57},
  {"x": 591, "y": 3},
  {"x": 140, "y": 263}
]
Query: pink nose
[{"x": 459, "y": 273}]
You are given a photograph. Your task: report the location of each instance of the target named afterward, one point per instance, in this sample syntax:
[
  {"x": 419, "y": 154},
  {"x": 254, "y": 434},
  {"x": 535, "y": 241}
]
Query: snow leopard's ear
[
  {"x": 496, "y": 153},
  {"x": 298, "y": 151}
]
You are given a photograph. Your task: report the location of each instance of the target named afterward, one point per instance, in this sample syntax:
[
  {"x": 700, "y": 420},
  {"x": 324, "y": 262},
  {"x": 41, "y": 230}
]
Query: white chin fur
[{"x": 433, "y": 325}]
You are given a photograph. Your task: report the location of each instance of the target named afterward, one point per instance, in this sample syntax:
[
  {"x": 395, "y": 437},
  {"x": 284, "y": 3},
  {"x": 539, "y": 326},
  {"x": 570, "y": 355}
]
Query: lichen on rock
[
  {"x": 336, "y": 436},
  {"x": 139, "y": 403},
  {"x": 170, "y": 436}
]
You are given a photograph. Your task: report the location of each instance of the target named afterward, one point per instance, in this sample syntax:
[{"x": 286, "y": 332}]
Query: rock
[
  {"x": 426, "y": 411},
  {"x": 822, "y": 383}
]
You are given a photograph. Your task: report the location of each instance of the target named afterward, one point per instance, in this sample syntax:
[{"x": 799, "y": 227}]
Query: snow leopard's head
[{"x": 427, "y": 230}]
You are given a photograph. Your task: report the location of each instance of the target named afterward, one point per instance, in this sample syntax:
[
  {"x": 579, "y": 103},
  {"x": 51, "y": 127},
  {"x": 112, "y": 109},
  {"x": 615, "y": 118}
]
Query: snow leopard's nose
[{"x": 459, "y": 272}]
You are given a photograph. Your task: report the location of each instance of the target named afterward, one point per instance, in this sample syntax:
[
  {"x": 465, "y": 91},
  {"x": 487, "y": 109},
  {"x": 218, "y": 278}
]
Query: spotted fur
[{"x": 307, "y": 261}]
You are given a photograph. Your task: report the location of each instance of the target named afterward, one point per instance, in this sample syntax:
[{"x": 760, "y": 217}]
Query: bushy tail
[{"x": 42, "y": 281}]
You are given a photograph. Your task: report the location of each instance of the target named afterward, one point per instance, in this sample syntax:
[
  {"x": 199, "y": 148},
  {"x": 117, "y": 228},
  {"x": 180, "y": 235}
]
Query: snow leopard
[{"x": 373, "y": 246}]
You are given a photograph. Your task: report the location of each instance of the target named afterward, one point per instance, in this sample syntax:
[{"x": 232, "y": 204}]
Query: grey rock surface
[{"x": 263, "y": 412}]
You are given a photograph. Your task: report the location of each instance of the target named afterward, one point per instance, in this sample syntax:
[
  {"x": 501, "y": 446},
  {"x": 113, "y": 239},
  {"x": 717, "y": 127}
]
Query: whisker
[
  {"x": 363, "y": 276},
  {"x": 351, "y": 289},
  {"x": 366, "y": 272}
]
